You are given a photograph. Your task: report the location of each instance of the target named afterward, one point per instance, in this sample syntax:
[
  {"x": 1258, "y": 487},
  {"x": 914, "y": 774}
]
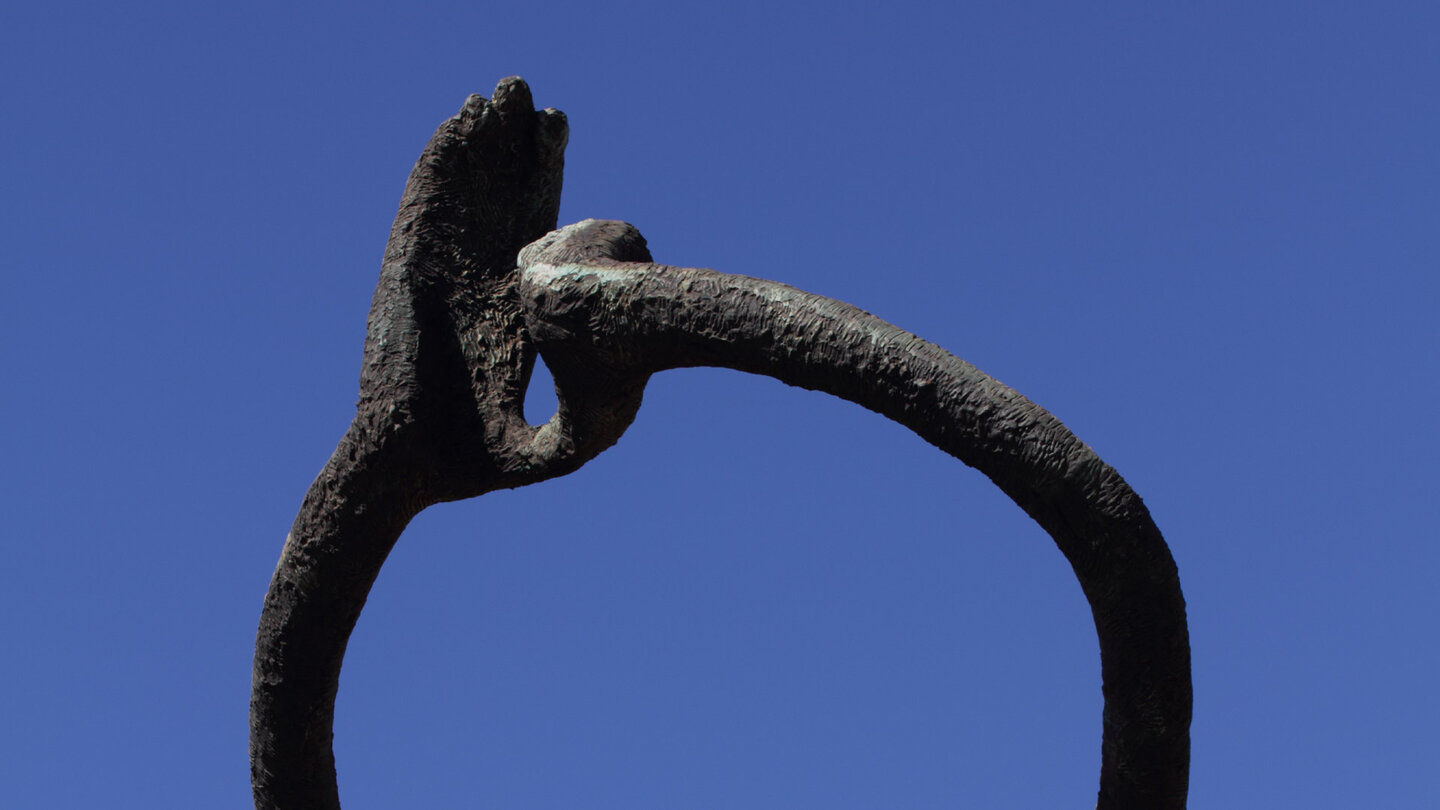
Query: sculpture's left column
[{"x": 439, "y": 418}]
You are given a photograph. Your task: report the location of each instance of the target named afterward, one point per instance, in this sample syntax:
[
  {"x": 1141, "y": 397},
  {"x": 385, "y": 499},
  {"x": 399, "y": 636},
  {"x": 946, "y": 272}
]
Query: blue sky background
[{"x": 1204, "y": 235}]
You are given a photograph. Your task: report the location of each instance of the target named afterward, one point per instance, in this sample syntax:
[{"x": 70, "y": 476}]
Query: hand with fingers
[{"x": 461, "y": 308}]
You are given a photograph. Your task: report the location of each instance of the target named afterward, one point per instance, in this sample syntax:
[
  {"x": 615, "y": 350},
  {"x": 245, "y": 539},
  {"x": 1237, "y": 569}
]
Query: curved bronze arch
[{"x": 452, "y": 336}]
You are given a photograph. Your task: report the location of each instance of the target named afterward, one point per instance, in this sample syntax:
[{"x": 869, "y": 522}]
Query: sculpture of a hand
[{"x": 461, "y": 308}]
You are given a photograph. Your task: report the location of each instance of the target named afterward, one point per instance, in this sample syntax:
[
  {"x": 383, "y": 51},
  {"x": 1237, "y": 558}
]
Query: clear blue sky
[{"x": 1204, "y": 235}]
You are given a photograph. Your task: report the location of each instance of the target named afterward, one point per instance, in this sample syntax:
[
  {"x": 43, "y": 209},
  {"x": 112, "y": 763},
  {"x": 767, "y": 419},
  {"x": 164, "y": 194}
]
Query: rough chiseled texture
[
  {"x": 439, "y": 417},
  {"x": 452, "y": 334}
]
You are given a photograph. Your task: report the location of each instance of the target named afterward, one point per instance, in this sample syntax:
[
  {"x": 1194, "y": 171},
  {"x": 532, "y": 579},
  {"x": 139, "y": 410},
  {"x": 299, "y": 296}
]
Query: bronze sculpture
[{"x": 462, "y": 307}]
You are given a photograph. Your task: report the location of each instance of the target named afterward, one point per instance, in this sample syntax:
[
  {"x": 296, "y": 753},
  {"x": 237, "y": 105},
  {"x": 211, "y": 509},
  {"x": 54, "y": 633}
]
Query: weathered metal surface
[{"x": 453, "y": 330}]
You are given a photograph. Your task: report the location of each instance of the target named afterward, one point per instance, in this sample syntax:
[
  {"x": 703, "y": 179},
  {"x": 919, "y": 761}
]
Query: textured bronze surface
[{"x": 461, "y": 309}]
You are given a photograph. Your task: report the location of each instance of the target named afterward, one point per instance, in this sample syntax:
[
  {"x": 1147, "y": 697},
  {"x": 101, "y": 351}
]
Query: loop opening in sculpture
[
  {"x": 841, "y": 606},
  {"x": 540, "y": 401}
]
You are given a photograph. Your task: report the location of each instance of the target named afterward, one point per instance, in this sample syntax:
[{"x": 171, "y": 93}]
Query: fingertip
[
  {"x": 512, "y": 95},
  {"x": 554, "y": 127},
  {"x": 474, "y": 105}
]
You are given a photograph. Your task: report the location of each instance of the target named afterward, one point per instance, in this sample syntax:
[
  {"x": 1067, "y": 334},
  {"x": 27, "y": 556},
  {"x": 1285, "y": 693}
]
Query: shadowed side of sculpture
[
  {"x": 453, "y": 332},
  {"x": 438, "y": 418}
]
